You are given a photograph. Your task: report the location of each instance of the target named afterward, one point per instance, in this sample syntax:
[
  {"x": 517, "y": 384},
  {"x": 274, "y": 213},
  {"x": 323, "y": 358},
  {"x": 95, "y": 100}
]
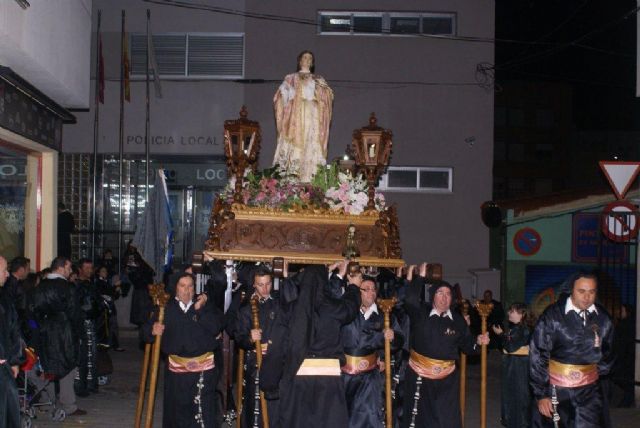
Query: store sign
[
  {"x": 24, "y": 116},
  {"x": 12, "y": 169},
  {"x": 588, "y": 243}
]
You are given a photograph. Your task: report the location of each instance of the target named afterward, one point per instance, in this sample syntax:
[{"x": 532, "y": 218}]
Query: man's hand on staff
[
  {"x": 157, "y": 329},
  {"x": 200, "y": 301},
  {"x": 256, "y": 335},
  {"x": 483, "y": 339},
  {"x": 545, "y": 407},
  {"x": 388, "y": 334}
]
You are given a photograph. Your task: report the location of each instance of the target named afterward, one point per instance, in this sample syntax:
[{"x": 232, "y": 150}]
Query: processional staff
[
  {"x": 160, "y": 299},
  {"x": 484, "y": 309},
  {"x": 386, "y": 305},
  {"x": 256, "y": 326},
  {"x": 463, "y": 367},
  {"x": 240, "y": 381},
  {"x": 143, "y": 384}
]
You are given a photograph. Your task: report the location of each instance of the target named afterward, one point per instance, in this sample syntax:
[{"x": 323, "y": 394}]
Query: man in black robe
[
  {"x": 10, "y": 357},
  {"x": 438, "y": 334},
  {"x": 269, "y": 313},
  {"x": 88, "y": 301},
  {"x": 571, "y": 348},
  {"x": 495, "y": 318},
  {"x": 304, "y": 358},
  {"x": 363, "y": 341},
  {"x": 188, "y": 339}
]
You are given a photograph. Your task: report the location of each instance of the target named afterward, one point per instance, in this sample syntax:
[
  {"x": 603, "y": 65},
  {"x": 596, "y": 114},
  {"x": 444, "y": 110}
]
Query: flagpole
[
  {"x": 147, "y": 129},
  {"x": 121, "y": 140},
  {"x": 96, "y": 129}
]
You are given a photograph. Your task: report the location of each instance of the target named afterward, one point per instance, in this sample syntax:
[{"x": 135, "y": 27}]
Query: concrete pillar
[{"x": 41, "y": 214}]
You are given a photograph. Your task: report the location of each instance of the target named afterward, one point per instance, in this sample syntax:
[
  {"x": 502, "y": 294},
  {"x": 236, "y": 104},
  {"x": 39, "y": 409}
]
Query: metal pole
[
  {"x": 96, "y": 133},
  {"x": 121, "y": 141},
  {"x": 147, "y": 129}
]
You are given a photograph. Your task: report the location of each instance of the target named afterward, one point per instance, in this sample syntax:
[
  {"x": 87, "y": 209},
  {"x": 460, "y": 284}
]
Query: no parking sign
[
  {"x": 620, "y": 221},
  {"x": 527, "y": 241}
]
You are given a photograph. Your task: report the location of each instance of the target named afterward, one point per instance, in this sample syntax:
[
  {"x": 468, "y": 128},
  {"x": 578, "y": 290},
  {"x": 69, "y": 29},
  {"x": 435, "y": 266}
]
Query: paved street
[{"x": 114, "y": 406}]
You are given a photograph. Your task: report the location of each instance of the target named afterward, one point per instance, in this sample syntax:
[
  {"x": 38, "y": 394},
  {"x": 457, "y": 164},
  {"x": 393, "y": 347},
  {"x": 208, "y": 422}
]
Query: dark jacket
[
  {"x": 59, "y": 323},
  {"x": 88, "y": 299}
]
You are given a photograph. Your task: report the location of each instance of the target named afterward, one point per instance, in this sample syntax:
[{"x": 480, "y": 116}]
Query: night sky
[{"x": 589, "y": 44}]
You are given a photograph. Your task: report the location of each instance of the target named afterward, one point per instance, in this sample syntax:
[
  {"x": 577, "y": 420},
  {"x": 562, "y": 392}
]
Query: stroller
[{"x": 33, "y": 392}]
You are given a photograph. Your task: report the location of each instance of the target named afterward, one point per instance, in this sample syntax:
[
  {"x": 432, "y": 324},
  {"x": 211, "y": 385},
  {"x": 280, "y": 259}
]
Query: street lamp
[
  {"x": 372, "y": 148},
  {"x": 241, "y": 148}
]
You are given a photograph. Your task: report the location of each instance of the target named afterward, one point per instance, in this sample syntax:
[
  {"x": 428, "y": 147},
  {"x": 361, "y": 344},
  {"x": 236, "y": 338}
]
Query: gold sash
[
  {"x": 178, "y": 364},
  {"x": 356, "y": 365},
  {"x": 522, "y": 351},
  {"x": 430, "y": 368},
  {"x": 572, "y": 375}
]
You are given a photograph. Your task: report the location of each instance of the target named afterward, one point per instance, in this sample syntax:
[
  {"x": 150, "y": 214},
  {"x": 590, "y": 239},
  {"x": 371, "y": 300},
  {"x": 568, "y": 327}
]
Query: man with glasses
[{"x": 363, "y": 341}]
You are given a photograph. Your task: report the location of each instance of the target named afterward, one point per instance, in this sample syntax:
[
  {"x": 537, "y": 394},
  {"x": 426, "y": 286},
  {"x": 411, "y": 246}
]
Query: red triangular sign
[{"x": 620, "y": 175}]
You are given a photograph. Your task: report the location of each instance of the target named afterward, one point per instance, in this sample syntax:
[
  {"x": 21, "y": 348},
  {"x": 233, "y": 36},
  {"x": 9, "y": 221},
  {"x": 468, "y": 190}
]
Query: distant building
[{"x": 533, "y": 130}]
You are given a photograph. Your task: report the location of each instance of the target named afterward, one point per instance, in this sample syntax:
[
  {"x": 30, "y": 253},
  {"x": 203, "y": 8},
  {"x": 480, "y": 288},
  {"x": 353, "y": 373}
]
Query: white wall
[{"x": 48, "y": 44}]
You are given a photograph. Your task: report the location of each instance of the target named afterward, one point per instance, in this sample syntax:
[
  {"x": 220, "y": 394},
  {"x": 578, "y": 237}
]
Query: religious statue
[{"x": 302, "y": 108}]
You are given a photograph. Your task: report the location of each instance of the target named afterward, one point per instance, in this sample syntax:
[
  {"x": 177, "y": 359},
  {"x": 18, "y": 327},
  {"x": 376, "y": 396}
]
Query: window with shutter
[{"x": 191, "y": 55}]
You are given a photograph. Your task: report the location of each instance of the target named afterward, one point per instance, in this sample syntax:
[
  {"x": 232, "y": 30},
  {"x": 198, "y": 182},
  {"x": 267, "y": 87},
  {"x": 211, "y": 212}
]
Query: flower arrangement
[{"x": 330, "y": 188}]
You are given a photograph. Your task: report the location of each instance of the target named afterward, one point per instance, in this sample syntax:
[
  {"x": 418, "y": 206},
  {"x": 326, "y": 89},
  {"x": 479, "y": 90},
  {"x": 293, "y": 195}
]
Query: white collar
[
  {"x": 260, "y": 299},
  {"x": 569, "y": 306},
  {"x": 436, "y": 313},
  {"x": 184, "y": 307},
  {"x": 373, "y": 308},
  {"x": 56, "y": 276}
]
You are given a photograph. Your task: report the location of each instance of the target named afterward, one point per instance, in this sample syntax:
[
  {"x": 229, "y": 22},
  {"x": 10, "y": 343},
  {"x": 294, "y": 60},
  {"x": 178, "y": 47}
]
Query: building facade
[
  {"x": 417, "y": 65},
  {"x": 44, "y": 70}
]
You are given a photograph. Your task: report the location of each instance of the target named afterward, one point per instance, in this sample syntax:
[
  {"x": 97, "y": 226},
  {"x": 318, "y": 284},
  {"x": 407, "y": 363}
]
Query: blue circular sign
[{"x": 527, "y": 241}]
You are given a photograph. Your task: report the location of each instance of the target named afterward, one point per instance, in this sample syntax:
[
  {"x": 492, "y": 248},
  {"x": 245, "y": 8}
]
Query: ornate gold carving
[
  {"x": 299, "y": 257},
  {"x": 267, "y": 233}
]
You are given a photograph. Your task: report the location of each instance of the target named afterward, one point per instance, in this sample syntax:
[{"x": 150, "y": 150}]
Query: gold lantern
[
  {"x": 372, "y": 149},
  {"x": 241, "y": 148}
]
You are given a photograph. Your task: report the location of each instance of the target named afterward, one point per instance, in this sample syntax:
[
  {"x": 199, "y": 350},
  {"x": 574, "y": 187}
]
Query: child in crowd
[{"x": 516, "y": 397}]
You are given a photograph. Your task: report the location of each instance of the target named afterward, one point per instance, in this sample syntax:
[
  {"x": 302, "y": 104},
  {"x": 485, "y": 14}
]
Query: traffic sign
[
  {"x": 620, "y": 221},
  {"x": 620, "y": 175},
  {"x": 527, "y": 241}
]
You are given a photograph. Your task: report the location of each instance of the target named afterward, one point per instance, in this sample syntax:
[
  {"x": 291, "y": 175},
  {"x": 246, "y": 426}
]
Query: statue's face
[{"x": 306, "y": 61}]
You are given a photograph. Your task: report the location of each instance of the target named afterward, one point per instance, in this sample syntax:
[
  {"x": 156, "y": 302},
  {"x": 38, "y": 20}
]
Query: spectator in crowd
[
  {"x": 108, "y": 262},
  {"x": 109, "y": 292},
  {"x": 10, "y": 356},
  {"x": 495, "y": 318},
  {"x": 56, "y": 312},
  {"x": 18, "y": 271},
  {"x": 66, "y": 226}
]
